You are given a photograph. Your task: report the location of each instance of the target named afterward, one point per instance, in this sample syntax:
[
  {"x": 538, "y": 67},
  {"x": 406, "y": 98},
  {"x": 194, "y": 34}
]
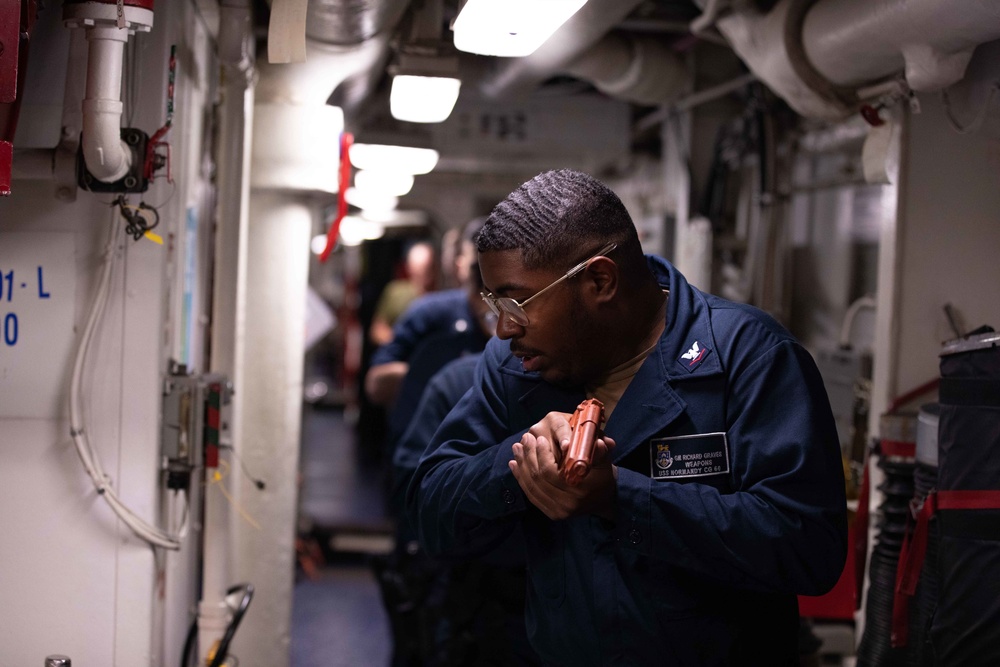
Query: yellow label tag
[{"x": 155, "y": 238}]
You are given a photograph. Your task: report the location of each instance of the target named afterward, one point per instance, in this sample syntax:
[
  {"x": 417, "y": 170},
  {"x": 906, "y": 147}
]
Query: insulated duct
[
  {"x": 351, "y": 22},
  {"x": 640, "y": 69},
  {"x": 817, "y": 55},
  {"x": 348, "y": 40}
]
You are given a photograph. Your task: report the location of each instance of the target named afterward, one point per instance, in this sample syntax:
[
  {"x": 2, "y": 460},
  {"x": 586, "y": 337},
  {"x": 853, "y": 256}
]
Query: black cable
[
  {"x": 227, "y": 638},
  {"x": 223, "y": 649},
  {"x": 189, "y": 643}
]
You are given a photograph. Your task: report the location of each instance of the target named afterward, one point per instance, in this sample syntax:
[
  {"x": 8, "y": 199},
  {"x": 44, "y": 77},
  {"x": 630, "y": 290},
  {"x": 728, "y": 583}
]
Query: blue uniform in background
[
  {"x": 443, "y": 391},
  {"x": 730, "y": 496},
  {"x": 477, "y": 605},
  {"x": 435, "y": 329}
]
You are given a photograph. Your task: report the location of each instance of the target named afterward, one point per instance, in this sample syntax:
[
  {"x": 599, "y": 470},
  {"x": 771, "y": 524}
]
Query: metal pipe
[
  {"x": 228, "y": 299},
  {"x": 856, "y": 42},
  {"x": 635, "y": 68},
  {"x": 694, "y": 99},
  {"x": 816, "y": 57}
]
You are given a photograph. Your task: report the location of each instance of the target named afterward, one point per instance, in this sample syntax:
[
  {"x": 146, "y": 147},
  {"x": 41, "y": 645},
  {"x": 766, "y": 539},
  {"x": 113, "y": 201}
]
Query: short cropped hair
[{"x": 552, "y": 216}]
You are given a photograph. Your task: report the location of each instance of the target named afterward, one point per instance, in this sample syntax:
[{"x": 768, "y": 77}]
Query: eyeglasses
[{"x": 504, "y": 305}]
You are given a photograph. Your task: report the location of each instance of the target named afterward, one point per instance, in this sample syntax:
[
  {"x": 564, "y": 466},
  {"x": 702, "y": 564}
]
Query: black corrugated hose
[{"x": 875, "y": 649}]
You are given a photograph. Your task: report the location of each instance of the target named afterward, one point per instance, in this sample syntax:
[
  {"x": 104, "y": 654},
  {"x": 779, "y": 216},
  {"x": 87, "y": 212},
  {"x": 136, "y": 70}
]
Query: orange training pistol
[{"x": 586, "y": 424}]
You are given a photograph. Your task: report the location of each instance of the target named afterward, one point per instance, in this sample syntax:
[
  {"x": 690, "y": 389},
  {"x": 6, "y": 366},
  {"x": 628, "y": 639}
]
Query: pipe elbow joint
[{"x": 107, "y": 157}]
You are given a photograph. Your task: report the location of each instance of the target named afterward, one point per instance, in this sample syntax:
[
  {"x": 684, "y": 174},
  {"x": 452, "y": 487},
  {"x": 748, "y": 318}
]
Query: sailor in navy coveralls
[{"x": 717, "y": 491}]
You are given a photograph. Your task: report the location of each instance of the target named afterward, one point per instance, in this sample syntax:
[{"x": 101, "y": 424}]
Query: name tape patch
[{"x": 688, "y": 456}]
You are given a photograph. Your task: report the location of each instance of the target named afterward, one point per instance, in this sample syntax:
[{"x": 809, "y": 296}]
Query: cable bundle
[{"x": 91, "y": 462}]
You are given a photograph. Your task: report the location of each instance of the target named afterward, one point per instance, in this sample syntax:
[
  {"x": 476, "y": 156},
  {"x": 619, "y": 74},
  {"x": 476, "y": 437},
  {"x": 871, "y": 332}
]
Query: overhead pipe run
[
  {"x": 107, "y": 156},
  {"x": 638, "y": 69},
  {"x": 854, "y": 43},
  {"x": 513, "y": 76},
  {"x": 818, "y": 56}
]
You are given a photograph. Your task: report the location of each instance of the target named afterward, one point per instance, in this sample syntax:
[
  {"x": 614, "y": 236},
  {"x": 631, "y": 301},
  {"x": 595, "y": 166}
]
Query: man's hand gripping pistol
[{"x": 586, "y": 423}]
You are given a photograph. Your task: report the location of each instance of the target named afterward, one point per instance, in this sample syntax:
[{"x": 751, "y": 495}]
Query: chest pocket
[{"x": 693, "y": 448}]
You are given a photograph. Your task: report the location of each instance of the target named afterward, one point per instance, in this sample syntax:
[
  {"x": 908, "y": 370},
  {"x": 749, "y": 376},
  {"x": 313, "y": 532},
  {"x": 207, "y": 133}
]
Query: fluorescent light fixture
[
  {"x": 355, "y": 230},
  {"x": 371, "y": 202},
  {"x": 510, "y": 27},
  {"x": 406, "y": 159},
  {"x": 379, "y": 183},
  {"x": 405, "y": 218},
  {"x": 422, "y": 99}
]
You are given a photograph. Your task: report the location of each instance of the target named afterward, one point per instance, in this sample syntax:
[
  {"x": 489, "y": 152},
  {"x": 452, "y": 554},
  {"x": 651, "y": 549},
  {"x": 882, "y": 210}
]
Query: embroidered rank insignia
[{"x": 694, "y": 357}]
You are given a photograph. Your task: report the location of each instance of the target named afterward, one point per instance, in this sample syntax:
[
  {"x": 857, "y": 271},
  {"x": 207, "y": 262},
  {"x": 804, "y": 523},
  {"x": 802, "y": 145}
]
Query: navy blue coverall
[
  {"x": 435, "y": 329},
  {"x": 730, "y": 495}
]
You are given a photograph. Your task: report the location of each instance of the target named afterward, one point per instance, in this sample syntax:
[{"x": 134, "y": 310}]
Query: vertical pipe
[
  {"x": 270, "y": 383},
  {"x": 106, "y": 155},
  {"x": 228, "y": 300}
]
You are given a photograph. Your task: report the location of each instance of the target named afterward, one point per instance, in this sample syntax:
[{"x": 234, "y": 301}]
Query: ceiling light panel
[
  {"x": 422, "y": 99},
  {"x": 405, "y": 159},
  {"x": 377, "y": 183},
  {"x": 510, "y": 28}
]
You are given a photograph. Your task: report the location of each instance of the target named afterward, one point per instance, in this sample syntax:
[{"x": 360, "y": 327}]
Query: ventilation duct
[
  {"x": 817, "y": 55},
  {"x": 638, "y": 69}
]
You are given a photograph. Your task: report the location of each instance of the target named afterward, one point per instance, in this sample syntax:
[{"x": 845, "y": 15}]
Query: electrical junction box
[{"x": 195, "y": 419}]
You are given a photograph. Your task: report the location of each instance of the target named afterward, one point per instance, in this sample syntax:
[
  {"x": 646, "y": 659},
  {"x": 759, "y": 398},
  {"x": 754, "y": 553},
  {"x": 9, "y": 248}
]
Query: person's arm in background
[
  {"x": 380, "y": 331},
  {"x": 391, "y": 304},
  {"x": 390, "y": 362},
  {"x": 382, "y": 381}
]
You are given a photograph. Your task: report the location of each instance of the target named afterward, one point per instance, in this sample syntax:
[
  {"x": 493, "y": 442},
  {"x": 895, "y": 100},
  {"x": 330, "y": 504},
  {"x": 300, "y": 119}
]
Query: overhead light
[
  {"x": 422, "y": 99},
  {"x": 408, "y": 218},
  {"x": 510, "y": 27},
  {"x": 425, "y": 84},
  {"x": 371, "y": 202},
  {"x": 406, "y": 159},
  {"x": 355, "y": 230},
  {"x": 380, "y": 183},
  {"x": 318, "y": 244}
]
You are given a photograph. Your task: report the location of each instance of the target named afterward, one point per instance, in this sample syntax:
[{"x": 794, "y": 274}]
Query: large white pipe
[
  {"x": 816, "y": 57},
  {"x": 107, "y": 157},
  {"x": 635, "y": 68},
  {"x": 856, "y": 42}
]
